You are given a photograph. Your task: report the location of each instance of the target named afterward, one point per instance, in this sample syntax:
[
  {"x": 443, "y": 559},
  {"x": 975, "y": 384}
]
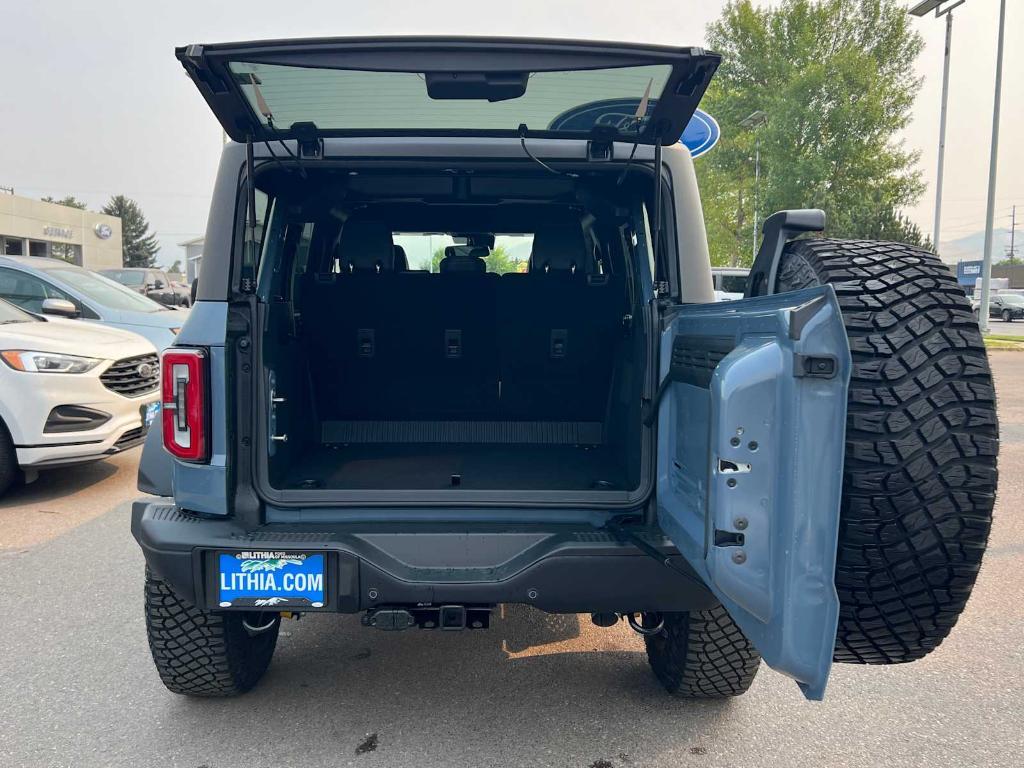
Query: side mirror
[
  {"x": 159, "y": 285},
  {"x": 59, "y": 308}
]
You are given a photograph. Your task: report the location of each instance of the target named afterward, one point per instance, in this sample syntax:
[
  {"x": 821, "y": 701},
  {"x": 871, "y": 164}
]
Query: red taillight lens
[{"x": 186, "y": 419}]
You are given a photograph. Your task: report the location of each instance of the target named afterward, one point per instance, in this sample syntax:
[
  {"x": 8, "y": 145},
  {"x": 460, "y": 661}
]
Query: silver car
[{"x": 54, "y": 287}]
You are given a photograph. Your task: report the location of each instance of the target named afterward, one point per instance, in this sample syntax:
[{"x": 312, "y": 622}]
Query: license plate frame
[{"x": 264, "y": 579}]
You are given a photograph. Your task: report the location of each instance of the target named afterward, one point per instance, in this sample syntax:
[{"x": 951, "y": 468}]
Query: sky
[{"x": 93, "y": 102}]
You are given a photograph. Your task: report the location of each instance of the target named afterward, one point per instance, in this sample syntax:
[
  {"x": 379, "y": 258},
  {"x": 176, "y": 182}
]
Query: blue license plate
[
  {"x": 149, "y": 413},
  {"x": 278, "y": 580}
]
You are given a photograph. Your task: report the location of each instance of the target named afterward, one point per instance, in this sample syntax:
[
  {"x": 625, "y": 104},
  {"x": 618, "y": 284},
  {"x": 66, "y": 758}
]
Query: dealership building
[{"x": 31, "y": 227}]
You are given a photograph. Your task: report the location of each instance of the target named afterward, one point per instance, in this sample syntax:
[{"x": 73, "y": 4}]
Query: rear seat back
[
  {"x": 558, "y": 327},
  {"x": 353, "y": 328},
  {"x": 463, "y": 344}
]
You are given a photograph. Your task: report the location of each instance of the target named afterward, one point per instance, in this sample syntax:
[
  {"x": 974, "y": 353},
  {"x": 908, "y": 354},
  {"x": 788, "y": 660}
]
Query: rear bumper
[{"x": 568, "y": 571}]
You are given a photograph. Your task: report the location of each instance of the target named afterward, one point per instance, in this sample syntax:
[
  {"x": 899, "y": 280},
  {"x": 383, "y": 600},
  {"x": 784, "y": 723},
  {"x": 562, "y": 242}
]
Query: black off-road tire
[
  {"x": 702, "y": 655},
  {"x": 9, "y": 471},
  {"x": 204, "y": 653},
  {"x": 919, "y": 478}
]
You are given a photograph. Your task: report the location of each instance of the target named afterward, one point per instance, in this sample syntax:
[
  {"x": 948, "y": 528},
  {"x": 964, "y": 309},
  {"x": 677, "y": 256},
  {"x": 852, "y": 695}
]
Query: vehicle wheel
[
  {"x": 8, "y": 461},
  {"x": 1007, "y": 317},
  {"x": 205, "y": 653},
  {"x": 919, "y": 478},
  {"x": 702, "y": 655}
]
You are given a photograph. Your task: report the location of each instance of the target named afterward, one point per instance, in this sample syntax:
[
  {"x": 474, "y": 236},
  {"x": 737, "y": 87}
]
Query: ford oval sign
[{"x": 701, "y": 133}]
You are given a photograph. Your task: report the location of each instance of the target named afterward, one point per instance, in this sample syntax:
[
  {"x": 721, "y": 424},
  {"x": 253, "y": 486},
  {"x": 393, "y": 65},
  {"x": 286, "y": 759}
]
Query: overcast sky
[{"x": 93, "y": 103}]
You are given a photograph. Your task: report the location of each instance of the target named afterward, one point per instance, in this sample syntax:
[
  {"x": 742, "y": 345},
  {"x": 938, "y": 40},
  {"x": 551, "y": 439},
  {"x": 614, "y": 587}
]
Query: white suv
[{"x": 70, "y": 392}]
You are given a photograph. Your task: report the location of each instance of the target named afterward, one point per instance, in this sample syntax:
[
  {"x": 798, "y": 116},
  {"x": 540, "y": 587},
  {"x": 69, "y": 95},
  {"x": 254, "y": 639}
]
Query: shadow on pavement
[
  {"x": 459, "y": 691},
  {"x": 57, "y": 483}
]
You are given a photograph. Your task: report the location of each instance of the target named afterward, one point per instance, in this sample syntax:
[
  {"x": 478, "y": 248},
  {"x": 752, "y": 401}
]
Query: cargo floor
[{"x": 476, "y": 467}]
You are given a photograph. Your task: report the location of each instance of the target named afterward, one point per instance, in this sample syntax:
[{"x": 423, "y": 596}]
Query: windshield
[
  {"x": 104, "y": 291},
  {"x": 11, "y": 314},
  {"x": 339, "y": 99},
  {"x": 124, "y": 276},
  {"x": 1010, "y": 298}
]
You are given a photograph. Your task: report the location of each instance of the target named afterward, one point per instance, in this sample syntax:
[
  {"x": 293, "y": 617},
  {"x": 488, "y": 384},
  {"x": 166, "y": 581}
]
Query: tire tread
[{"x": 921, "y": 444}]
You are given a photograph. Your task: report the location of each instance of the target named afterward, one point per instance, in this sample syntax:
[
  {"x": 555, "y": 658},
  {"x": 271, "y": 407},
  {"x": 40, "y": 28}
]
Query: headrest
[
  {"x": 458, "y": 259},
  {"x": 365, "y": 246},
  {"x": 559, "y": 248},
  {"x": 401, "y": 261}
]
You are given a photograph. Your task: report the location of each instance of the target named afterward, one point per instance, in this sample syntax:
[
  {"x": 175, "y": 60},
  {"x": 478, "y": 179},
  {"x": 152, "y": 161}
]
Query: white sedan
[{"x": 70, "y": 392}]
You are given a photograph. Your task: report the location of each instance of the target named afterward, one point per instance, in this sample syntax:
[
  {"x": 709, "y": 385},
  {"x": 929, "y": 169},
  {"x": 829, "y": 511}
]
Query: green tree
[
  {"x": 836, "y": 80},
  {"x": 175, "y": 267},
  {"x": 138, "y": 245},
  {"x": 500, "y": 261},
  {"x": 68, "y": 200}
]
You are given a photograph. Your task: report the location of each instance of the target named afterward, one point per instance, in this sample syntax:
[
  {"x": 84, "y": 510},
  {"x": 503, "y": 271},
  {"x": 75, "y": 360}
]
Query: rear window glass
[
  {"x": 424, "y": 252},
  {"x": 734, "y": 283},
  {"x": 336, "y": 99}
]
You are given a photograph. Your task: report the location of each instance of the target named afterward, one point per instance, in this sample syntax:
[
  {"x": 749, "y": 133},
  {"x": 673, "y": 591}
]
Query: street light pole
[
  {"x": 986, "y": 265},
  {"x": 941, "y": 8},
  {"x": 942, "y": 132},
  {"x": 757, "y": 190},
  {"x": 753, "y": 122}
]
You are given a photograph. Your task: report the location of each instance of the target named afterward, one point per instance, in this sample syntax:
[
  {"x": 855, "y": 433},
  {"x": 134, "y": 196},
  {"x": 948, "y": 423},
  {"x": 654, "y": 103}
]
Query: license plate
[
  {"x": 149, "y": 413},
  {"x": 260, "y": 579}
]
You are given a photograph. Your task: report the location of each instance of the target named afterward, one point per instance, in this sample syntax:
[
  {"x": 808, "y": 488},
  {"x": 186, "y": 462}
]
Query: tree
[
  {"x": 68, "y": 200},
  {"x": 836, "y": 79},
  {"x": 500, "y": 261},
  {"x": 138, "y": 245},
  {"x": 175, "y": 267}
]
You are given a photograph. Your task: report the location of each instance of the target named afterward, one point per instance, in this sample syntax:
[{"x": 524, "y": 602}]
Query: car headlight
[{"x": 47, "y": 362}]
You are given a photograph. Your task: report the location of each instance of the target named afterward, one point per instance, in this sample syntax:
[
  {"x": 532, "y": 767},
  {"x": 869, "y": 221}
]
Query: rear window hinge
[
  {"x": 600, "y": 150},
  {"x": 311, "y": 143}
]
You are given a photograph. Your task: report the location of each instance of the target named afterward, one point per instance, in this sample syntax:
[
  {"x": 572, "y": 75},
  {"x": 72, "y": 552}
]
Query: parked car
[
  {"x": 152, "y": 283},
  {"x": 70, "y": 392},
  {"x": 54, "y": 287},
  {"x": 730, "y": 283},
  {"x": 183, "y": 293},
  {"x": 596, "y": 435},
  {"x": 1006, "y": 306}
]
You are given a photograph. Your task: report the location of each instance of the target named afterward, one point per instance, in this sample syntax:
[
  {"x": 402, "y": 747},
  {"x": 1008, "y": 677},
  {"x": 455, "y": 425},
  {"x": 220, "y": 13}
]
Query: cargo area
[{"x": 514, "y": 359}]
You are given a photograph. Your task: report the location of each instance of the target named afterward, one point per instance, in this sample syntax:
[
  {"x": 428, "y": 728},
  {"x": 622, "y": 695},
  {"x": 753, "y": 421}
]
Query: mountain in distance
[{"x": 971, "y": 247}]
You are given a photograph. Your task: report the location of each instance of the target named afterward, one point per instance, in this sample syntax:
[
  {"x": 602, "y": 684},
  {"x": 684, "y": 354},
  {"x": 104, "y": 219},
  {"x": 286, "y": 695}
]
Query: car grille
[{"x": 125, "y": 378}]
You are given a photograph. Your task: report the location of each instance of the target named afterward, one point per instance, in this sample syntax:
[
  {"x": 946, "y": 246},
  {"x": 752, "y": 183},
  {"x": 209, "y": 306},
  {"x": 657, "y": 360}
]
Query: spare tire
[{"x": 919, "y": 477}]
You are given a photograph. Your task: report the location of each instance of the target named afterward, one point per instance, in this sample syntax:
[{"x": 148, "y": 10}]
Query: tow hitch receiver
[{"x": 447, "y": 617}]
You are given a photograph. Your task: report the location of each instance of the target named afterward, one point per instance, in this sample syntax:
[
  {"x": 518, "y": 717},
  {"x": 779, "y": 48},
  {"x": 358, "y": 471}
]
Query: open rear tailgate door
[{"x": 751, "y": 429}]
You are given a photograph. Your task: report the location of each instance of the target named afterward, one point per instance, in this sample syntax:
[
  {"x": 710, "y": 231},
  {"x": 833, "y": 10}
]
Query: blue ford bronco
[{"x": 455, "y": 345}]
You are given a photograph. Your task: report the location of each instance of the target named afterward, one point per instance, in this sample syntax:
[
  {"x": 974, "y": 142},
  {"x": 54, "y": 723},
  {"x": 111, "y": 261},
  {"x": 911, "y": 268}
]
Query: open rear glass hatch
[{"x": 295, "y": 89}]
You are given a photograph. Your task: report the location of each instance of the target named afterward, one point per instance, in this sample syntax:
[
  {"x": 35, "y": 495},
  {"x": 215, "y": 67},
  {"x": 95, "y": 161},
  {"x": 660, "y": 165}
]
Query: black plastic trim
[{"x": 559, "y": 569}]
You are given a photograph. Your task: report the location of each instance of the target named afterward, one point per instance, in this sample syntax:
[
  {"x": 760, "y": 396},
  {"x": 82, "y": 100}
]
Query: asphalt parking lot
[{"x": 77, "y": 687}]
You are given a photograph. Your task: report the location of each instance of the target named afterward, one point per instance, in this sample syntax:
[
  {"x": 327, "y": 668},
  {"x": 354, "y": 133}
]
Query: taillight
[{"x": 186, "y": 419}]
